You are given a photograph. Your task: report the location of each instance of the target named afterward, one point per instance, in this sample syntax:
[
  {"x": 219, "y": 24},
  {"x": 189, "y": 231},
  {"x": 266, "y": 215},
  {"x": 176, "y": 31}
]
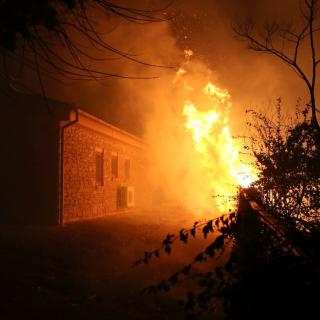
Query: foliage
[
  {"x": 260, "y": 274},
  {"x": 223, "y": 228},
  {"x": 288, "y": 158},
  {"x": 263, "y": 275}
]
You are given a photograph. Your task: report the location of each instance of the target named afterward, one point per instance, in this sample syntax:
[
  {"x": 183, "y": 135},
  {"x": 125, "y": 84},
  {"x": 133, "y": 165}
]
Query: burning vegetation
[
  {"x": 220, "y": 153},
  {"x": 198, "y": 160}
]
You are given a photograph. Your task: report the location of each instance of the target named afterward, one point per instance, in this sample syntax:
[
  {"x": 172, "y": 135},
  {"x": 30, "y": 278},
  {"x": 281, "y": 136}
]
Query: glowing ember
[
  {"x": 188, "y": 53},
  {"x": 219, "y": 151}
]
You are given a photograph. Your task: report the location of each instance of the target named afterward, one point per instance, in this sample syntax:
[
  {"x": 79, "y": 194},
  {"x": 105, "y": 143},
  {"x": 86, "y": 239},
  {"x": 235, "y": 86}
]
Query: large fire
[
  {"x": 194, "y": 160},
  {"x": 220, "y": 152}
]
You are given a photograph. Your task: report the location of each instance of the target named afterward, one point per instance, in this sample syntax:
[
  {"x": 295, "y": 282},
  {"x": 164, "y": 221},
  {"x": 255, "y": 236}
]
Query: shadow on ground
[{"x": 84, "y": 270}]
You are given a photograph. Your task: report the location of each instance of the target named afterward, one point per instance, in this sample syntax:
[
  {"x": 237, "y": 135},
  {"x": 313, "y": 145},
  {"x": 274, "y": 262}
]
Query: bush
[
  {"x": 262, "y": 278},
  {"x": 288, "y": 158}
]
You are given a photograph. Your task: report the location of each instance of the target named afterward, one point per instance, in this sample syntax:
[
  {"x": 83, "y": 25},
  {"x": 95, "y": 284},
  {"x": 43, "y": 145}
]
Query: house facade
[
  {"x": 61, "y": 164},
  {"x": 102, "y": 168}
]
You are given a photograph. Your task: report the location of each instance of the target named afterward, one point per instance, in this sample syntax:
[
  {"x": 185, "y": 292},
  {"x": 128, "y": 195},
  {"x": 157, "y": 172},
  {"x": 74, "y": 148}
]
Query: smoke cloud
[{"x": 152, "y": 108}]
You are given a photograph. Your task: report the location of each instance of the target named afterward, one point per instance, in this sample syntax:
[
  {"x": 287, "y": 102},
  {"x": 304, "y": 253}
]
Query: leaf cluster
[
  {"x": 288, "y": 157},
  {"x": 222, "y": 227},
  {"x": 222, "y": 224}
]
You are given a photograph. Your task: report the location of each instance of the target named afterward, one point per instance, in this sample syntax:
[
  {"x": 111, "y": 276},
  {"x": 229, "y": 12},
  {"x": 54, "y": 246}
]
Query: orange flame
[{"x": 220, "y": 153}]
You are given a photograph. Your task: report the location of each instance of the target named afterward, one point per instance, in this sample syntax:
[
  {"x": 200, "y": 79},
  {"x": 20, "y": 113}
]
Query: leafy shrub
[{"x": 262, "y": 278}]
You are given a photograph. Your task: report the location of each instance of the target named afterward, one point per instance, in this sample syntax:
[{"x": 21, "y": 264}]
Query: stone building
[{"x": 61, "y": 164}]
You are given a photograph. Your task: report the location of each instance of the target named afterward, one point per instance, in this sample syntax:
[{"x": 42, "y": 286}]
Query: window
[
  {"x": 114, "y": 166},
  {"x": 99, "y": 168},
  {"x": 127, "y": 166}
]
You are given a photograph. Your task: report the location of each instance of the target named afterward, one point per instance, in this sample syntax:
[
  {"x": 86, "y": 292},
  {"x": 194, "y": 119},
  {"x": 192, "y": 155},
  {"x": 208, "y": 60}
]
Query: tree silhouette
[
  {"x": 43, "y": 36},
  {"x": 288, "y": 158},
  {"x": 286, "y": 41}
]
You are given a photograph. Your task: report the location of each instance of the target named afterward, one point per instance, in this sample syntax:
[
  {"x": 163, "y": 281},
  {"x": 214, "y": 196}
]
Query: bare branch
[
  {"x": 50, "y": 37},
  {"x": 272, "y": 38}
]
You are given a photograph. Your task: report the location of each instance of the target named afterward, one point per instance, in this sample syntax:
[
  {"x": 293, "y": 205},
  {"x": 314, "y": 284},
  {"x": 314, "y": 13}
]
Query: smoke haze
[{"x": 153, "y": 108}]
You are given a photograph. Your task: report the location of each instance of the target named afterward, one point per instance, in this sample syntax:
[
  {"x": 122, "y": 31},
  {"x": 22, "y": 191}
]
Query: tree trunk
[{"x": 314, "y": 120}]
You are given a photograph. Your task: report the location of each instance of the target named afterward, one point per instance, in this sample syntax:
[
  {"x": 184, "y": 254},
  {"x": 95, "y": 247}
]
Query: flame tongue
[{"x": 219, "y": 151}]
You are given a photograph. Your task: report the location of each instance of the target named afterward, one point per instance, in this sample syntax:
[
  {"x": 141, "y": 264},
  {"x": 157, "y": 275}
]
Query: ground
[{"x": 84, "y": 270}]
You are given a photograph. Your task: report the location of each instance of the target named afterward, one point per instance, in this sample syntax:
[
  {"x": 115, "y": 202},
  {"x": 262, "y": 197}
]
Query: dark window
[
  {"x": 127, "y": 166},
  {"x": 114, "y": 166},
  {"x": 99, "y": 168}
]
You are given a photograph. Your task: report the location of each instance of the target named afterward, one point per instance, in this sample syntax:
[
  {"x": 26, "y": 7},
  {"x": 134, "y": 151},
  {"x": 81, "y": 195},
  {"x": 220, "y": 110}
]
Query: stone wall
[{"x": 83, "y": 197}]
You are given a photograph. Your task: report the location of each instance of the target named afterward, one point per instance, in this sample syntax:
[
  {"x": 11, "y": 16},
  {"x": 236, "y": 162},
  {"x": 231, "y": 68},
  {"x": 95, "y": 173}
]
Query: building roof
[{"x": 89, "y": 121}]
